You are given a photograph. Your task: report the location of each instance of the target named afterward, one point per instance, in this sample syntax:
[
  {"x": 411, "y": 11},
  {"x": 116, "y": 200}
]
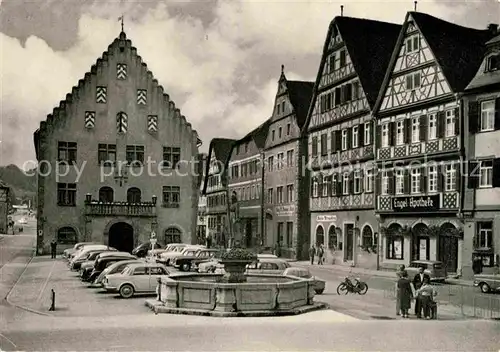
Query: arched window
[
  {"x": 66, "y": 235},
  {"x": 106, "y": 194},
  {"x": 332, "y": 238},
  {"x": 133, "y": 195},
  {"x": 367, "y": 236},
  {"x": 320, "y": 235},
  {"x": 172, "y": 235}
]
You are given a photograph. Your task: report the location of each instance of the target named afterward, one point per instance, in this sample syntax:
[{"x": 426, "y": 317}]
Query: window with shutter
[
  {"x": 400, "y": 132},
  {"x": 324, "y": 144},
  {"x": 345, "y": 184},
  {"x": 440, "y": 178},
  {"x": 406, "y": 181},
  {"x": 473, "y": 116},
  {"x": 314, "y": 146},
  {"x": 338, "y": 140},
  {"x": 496, "y": 173},
  {"x": 441, "y": 123},
  {"x": 351, "y": 182},
  {"x": 338, "y": 97},
  {"x": 473, "y": 174},
  {"x": 332, "y": 142},
  {"x": 392, "y": 133},
  {"x": 497, "y": 114},
  {"x": 333, "y": 186},
  {"x": 423, "y": 127},
  {"x": 361, "y": 135},
  {"x": 423, "y": 180},
  {"x": 407, "y": 131}
]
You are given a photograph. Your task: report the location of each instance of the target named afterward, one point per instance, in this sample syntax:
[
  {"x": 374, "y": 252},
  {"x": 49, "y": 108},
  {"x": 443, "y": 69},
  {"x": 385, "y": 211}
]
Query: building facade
[
  {"x": 245, "y": 170},
  {"x": 285, "y": 187},
  {"x": 115, "y": 159},
  {"x": 215, "y": 189},
  {"x": 482, "y": 150},
  {"x": 419, "y": 148},
  {"x": 340, "y": 134},
  {"x": 202, "y": 222}
]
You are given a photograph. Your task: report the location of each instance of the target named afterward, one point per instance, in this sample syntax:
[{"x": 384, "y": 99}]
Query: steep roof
[
  {"x": 494, "y": 40},
  {"x": 300, "y": 94},
  {"x": 458, "y": 50},
  {"x": 221, "y": 149},
  {"x": 369, "y": 44}
]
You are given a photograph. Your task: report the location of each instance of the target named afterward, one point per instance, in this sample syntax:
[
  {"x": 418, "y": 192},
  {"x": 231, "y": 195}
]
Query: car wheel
[
  {"x": 186, "y": 267},
  {"x": 126, "y": 291},
  {"x": 319, "y": 292},
  {"x": 485, "y": 288}
]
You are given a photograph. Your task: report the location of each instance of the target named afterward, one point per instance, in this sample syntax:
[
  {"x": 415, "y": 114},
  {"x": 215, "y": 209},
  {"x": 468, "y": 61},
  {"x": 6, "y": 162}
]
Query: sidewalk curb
[{"x": 7, "y": 297}]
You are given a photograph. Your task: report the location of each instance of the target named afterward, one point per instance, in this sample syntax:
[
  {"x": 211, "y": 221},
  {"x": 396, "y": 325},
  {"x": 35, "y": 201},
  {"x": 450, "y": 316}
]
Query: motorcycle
[{"x": 348, "y": 286}]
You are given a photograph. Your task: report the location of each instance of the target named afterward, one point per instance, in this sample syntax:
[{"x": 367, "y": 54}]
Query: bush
[{"x": 238, "y": 254}]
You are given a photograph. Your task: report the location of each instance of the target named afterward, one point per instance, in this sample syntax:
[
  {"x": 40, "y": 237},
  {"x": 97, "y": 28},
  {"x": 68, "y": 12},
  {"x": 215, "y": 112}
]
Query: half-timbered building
[
  {"x": 286, "y": 188},
  {"x": 418, "y": 118},
  {"x": 115, "y": 159},
  {"x": 215, "y": 185},
  {"x": 340, "y": 138},
  {"x": 245, "y": 169},
  {"x": 482, "y": 149}
]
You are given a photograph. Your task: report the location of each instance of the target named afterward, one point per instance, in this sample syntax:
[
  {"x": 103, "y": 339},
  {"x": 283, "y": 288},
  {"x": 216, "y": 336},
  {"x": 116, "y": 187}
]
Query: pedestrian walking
[
  {"x": 417, "y": 283},
  {"x": 321, "y": 253},
  {"x": 399, "y": 275},
  {"x": 53, "y": 248},
  {"x": 312, "y": 250},
  {"x": 405, "y": 293},
  {"x": 426, "y": 293}
]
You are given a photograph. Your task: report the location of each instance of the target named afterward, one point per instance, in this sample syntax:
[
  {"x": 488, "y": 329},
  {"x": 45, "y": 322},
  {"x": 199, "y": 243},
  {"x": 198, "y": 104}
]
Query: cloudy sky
[{"x": 218, "y": 60}]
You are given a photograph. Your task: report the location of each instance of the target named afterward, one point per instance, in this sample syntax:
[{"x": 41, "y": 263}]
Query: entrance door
[
  {"x": 121, "y": 237},
  {"x": 349, "y": 246},
  {"x": 448, "y": 252},
  {"x": 248, "y": 233},
  {"x": 420, "y": 248}
]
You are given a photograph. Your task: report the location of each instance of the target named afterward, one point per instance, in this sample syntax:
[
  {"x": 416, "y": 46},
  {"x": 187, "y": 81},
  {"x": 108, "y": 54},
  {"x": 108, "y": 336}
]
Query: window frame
[
  {"x": 415, "y": 130},
  {"x": 432, "y": 180},
  {"x": 450, "y": 178},
  {"x": 66, "y": 191},
  {"x": 486, "y": 171},
  {"x": 415, "y": 178},
  {"x": 432, "y": 122},
  {"x": 400, "y": 132},
  {"x": 385, "y": 135},
  {"x": 399, "y": 182},
  {"x": 490, "y": 116},
  {"x": 367, "y": 134},
  {"x": 344, "y": 139}
]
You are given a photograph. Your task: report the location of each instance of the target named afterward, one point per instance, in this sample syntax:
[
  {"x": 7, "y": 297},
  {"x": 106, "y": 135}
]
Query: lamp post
[
  {"x": 154, "y": 199},
  {"x": 88, "y": 198},
  {"x": 379, "y": 240}
]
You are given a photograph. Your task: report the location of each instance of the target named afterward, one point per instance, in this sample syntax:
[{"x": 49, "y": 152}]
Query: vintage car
[
  {"x": 135, "y": 278},
  {"x": 167, "y": 258},
  {"x": 83, "y": 247},
  {"x": 435, "y": 269},
  {"x": 487, "y": 282},
  {"x": 142, "y": 250},
  {"x": 191, "y": 259},
  {"x": 273, "y": 266},
  {"x": 89, "y": 262},
  {"x": 304, "y": 273},
  {"x": 83, "y": 256},
  {"x": 213, "y": 265},
  {"x": 67, "y": 252},
  {"x": 114, "y": 268},
  {"x": 102, "y": 261}
]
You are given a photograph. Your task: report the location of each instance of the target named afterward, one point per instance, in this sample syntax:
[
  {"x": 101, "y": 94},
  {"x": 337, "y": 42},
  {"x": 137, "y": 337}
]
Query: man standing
[
  {"x": 321, "y": 253},
  {"x": 418, "y": 280},
  {"x": 312, "y": 250},
  {"x": 53, "y": 248}
]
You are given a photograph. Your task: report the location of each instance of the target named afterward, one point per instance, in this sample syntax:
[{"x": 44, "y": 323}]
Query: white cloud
[{"x": 216, "y": 74}]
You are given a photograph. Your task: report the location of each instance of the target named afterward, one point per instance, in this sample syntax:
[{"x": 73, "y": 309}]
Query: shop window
[
  {"x": 332, "y": 238},
  {"x": 320, "y": 236},
  {"x": 395, "y": 247},
  {"x": 367, "y": 237}
]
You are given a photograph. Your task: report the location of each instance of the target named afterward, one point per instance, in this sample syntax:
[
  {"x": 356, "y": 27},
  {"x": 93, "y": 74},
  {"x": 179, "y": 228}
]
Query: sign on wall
[
  {"x": 285, "y": 210},
  {"x": 416, "y": 204},
  {"x": 326, "y": 218}
]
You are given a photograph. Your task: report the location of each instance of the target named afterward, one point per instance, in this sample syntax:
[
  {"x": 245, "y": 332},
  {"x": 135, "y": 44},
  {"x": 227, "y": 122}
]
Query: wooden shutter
[
  {"x": 332, "y": 142},
  {"x": 407, "y": 130},
  {"x": 473, "y": 174},
  {"x": 340, "y": 191},
  {"x": 391, "y": 182},
  {"x": 333, "y": 186},
  {"x": 457, "y": 121},
  {"x": 497, "y": 114},
  {"x": 315, "y": 146},
  {"x": 423, "y": 128},
  {"x": 338, "y": 140},
  {"x": 361, "y": 134},
  {"x": 473, "y": 116},
  {"x": 361, "y": 181},
  {"x": 349, "y": 138},
  {"x": 406, "y": 181},
  {"x": 441, "y": 119},
  {"x": 458, "y": 176},
  {"x": 320, "y": 185},
  {"x": 378, "y": 136},
  {"x": 392, "y": 133},
  {"x": 440, "y": 178},
  {"x": 351, "y": 182},
  {"x": 423, "y": 180},
  {"x": 378, "y": 183},
  {"x": 324, "y": 144},
  {"x": 312, "y": 185},
  {"x": 496, "y": 172}
]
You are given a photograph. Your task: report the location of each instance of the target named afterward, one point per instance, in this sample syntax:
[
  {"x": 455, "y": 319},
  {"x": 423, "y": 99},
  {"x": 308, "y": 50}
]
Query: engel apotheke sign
[{"x": 416, "y": 204}]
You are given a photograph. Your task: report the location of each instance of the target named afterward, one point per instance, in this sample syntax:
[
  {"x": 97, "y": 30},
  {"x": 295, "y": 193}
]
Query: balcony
[{"x": 143, "y": 209}]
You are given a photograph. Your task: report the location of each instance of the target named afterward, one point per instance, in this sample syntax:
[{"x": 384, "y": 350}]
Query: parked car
[
  {"x": 135, "y": 278},
  {"x": 435, "y": 269},
  {"x": 190, "y": 259},
  {"x": 142, "y": 250},
  {"x": 213, "y": 265},
  {"x": 102, "y": 261},
  {"x": 89, "y": 262},
  {"x": 304, "y": 273},
  {"x": 75, "y": 248},
  {"x": 268, "y": 266},
  {"x": 487, "y": 282},
  {"x": 167, "y": 258},
  {"x": 114, "y": 269},
  {"x": 86, "y": 247},
  {"x": 82, "y": 256}
]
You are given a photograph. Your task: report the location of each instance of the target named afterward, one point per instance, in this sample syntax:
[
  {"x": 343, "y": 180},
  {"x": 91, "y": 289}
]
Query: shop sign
[
  {"x": 416, "y": 204},
  {"x": 285, "y": 210},
  {"x": 326, "y": 218}
]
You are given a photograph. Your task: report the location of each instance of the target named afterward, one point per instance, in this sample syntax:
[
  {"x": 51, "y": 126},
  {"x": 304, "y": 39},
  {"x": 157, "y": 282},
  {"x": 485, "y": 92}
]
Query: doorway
[
  {"x": 248, "y": 233},
  {"x": 448, "y": 252},
  {"x": 349, "y": 245},
  {"x": 121, "y": 237}
]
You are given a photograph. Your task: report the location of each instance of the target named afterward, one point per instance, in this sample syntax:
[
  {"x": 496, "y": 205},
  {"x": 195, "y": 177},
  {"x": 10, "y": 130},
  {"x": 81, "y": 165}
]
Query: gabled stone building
[
  {"x": 340, "y": 132},
  {"x": 115, "y": 160}
]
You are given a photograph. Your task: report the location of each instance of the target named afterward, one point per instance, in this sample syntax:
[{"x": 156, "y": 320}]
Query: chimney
[{"x": 493, "y": 28}]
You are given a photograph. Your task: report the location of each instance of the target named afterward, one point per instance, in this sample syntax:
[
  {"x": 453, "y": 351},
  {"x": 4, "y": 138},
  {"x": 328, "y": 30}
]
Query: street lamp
[
  {"x": 88, "y": 197},
  {"x": 154, "y": 199}
]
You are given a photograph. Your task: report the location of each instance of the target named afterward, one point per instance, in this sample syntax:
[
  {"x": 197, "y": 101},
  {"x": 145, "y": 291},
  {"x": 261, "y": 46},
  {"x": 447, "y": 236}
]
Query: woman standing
[
  {"x": 398, "y": 302},
  {"x": 427, "y": 293},
  {"x": 405, "y": 293}
]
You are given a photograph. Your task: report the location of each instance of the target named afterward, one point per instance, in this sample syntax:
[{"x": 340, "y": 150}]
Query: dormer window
[
  {"x": 493, "y": 63},
  {"x": 412, "y": 44}
]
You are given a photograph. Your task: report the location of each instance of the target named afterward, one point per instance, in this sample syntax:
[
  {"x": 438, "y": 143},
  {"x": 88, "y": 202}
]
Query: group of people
[
  {"x": 418, "y": 289},
  {"x": 318, "y": 251}
]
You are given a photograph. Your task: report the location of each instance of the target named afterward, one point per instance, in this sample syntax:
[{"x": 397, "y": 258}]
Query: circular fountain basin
[{"x": 260, "y": 295}]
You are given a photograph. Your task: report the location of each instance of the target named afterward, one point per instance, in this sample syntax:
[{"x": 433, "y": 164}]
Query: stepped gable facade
[
  {"x": 419, "y": 140},
  {"x": 115, "y": 160},
  {"x": 340, "y": 133},
  {"x": 285, "y": 188}
]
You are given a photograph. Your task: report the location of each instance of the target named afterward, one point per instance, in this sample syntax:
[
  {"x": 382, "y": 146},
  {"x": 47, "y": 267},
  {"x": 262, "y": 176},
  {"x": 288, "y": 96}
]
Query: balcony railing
[{"x": 143, "y": 209}]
